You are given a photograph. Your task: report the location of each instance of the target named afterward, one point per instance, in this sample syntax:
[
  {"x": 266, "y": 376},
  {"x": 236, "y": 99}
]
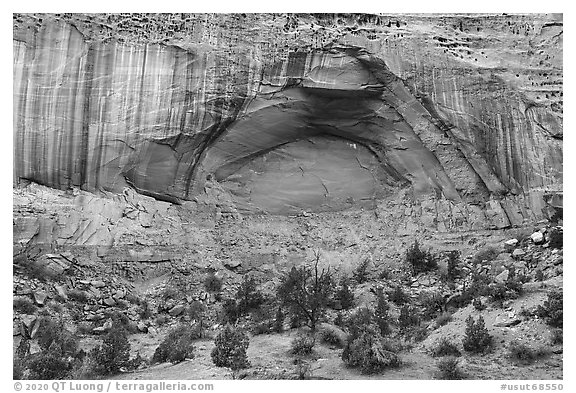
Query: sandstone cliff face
[{"x": 456, "y": 116}]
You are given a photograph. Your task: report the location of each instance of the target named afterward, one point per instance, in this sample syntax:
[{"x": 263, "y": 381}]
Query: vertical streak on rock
[{"x": 88, "y": 78}]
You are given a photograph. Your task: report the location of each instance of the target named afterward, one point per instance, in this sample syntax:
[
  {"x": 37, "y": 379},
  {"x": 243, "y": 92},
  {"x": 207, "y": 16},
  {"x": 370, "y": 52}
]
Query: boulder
[
  {"x": 142, "y": 327},
  {"x": 109, "y": 302},
  {"x": 502, "y": 277},
  {"x": 176, "y": 310},
  {"x": 28, "y": 322},
  {"x": 511, "y": 243},
  {"x": 506, "y": 320},
  {"x": 61, "y": 291},
  {"x": 518, "y": 253},
  {"x": 40, "y": 297},
  {"x": 231, "y": 265},
  {"x": 537, "y": 237},
  {"x": 98, "y": 284}
]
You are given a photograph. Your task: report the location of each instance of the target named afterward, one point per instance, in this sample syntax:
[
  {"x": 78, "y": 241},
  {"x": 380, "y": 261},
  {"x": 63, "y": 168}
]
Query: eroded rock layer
[{"x": 459, "y": 113}]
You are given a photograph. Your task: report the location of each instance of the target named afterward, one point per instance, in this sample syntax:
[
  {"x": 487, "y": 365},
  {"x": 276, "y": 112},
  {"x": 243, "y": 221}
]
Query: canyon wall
[{"x": 459, "y": 116}]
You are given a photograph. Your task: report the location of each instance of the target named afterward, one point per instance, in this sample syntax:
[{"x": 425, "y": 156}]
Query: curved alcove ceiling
[{"x": 341, "y": 93}]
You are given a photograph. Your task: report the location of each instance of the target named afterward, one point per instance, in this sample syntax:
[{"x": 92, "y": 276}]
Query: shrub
[
  {"x": 279, "y": 320},
  {"x": 48, "y": 365},
  {"x": 420, "y": 261},
  {"x": 478, "y": 305},
  {"x": 303, "y": 370},
  {"x": 306, "y": 292},
  {"x": 522, "y": 353},
  {"x": 476, "y": 339},
  {"x": 339, "y": 320},
  {"x": 552, "y": 309},
  {"x": 487, "y": 254},
  {"x": 557, "y": 336},
  {"x": 359, "y": 321},
  {"x": 478, "y": 287},
  {"x": 171, "y": 292},
  {"x": 370, "y": 353},
  {"x": 52, "y": 334},
  {"x": 196, "y": 312},
  {"x": 448, "y": 369},
  {"x": 230, "y": 309},
  {"x": 78, "y": 296},
  {"x": 408, "y": 317},
  {"x": 114, "y": 353},
  {"x": 452, "y": 271},
  {"x": 87, "y": 367},
  {"x": 416, "y": 333},
  {"x": 162, "y": 319},
  {"x": 212, "y": 283},
  {"x": 432, "y": 303},
  {"x": 398, "y": 296},
  {"x": 303, "y": 344},
  {"x": 360, "y": 274},
  {"x": 85, "y": 327},
  {"x": 556, "y": 238},
  {"x": 177, "y": 346},
  {"x": 24, "y": 305},
  {"x": 538, "y": 275},
  {"x": 145, "y": 312},
  {"x": 444, "y": 347},
  {"x": 344, "y": 295},
  {"x": 499, "y": 292},
  {"x": 443, "y": 319},
  {"x": 121, "y": 320},
  {"x": 248, "y": 296},
  {"x": 230, "y": 348},
  {"x": 331, "y": 337},
  {"x": 381, "y": 316},
  {"x": 17, "y": 369}
]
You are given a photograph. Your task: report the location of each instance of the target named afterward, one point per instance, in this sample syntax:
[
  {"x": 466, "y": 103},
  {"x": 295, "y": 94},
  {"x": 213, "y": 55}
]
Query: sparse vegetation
[
  {"x": 213, "y": 283},
  {"x": 24, "y": 305},
  {"x": 432, "y": 303},
  {"x": 178, "y": 346},
  {"x": 52, "y": 334},
  {"x": 444, "y": 347},
  {"x": 476, "y": 339},
  {"x": 303, "y": 344},
  {"x": 230, "y": 348},
  {"x": 556, "y": 238},
  {"x": 47, "y": 365},
  {"x": 78, "y": 296},
  {"x": 552, "y": 311},
  {"x": 370, "y": 352},
  {"x": 524, "y": 354},
  {"x": 485, "y": 255},
  {"x": 360, "y": 274},
  {"x": 114, "y": 353},
  {"x": 443, "y": 319},
  {"x": 381, "y": 315},
  {"x": 279, "y": 320},
  {"x": 449, "y": 369},
  {"x": 408, "y": 318},
  {"x": 331, "y": 337},
  {"x": 557, "y": 336},
  {"x": 248, "y": 296},
  {"x": 453, "y": 261},
  {"x": 419, "y": 260},
  {"x": 398, "y": 296},
  {"x": 344, "y": 296},
  {"x": 306, "y": 292},
  {"x": 230, "y": 311}
]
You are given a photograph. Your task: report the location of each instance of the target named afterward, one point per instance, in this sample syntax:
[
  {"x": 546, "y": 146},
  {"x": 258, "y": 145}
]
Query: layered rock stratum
[{"x": 446, "y": 121}]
